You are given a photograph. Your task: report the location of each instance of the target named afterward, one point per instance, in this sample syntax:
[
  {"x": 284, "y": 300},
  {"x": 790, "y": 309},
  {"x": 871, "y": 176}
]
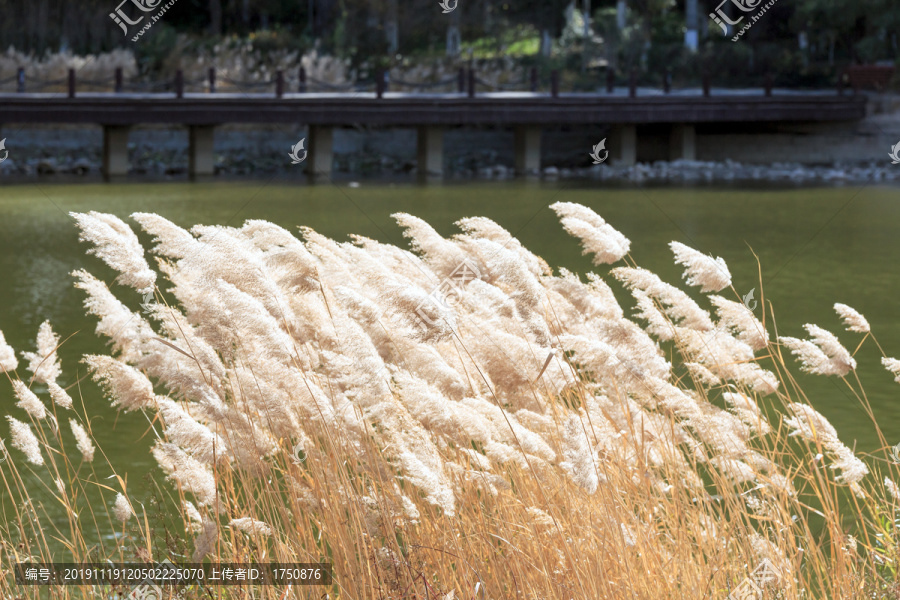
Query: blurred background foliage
[{"x": 799, "y": 43}]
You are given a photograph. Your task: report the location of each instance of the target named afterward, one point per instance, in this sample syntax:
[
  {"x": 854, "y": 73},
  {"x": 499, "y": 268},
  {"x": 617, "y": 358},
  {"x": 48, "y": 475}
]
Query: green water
[{"x": 816, "y": 246}]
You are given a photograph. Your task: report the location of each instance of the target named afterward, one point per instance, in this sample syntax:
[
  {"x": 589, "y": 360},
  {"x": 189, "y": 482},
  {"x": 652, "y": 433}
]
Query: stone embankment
[{"x": 238, "y": 164}]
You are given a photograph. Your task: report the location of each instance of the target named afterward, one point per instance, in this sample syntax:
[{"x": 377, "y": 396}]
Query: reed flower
[
  {"x": 540, "y": 517},
  {"x": 128, "y": 387},
  {"x": 59, "y": 395},
  {"x": 251, "y": 526},
  {"x": 206, "y": 539},
  {"x": 172, "y": 241},
  {"x": 442, "y": 255},
  {"x": 23, "y": 439},
  {"x": 195, "y": 519},
  {"x": 409, "y": 509},
  {"x": 740, "y": 320},
  {"x": 853, "y": 321},
  {"x": 45, "y": 363},
  {"x": 837, "y": 354},
  {"x": 596, "y": 235},
  {"x": 747, "y": 411},
  {"x": 580, "y": 461},
  {"x": 726, "y": 357},
  {"x": 892, "y": 488},
  {"x": 8, "y": 360},
  {"x": 188, "y": 433},
  {"x": 128, "y": 332},
  {"x": 813, "y": 427},
  {"x": 892, "y": 365},
  {"x": 28, "y": 400},
  {"x": 711, "y": 274},
  {"x": 765, "y": 549},
  {"x": 627, "y": 534},
  {"x": 122, "y": 508},
  {"x": 702, "y": 374},
  {"x": 736, "y": 470},
  {"x": 117, "y": 245},
  {"x": 191, "y": 474},
  {"x": 83, "y": 440},
  {"x": 823, "y": 355},
  {"x": 484, "y": 228},
  {"x": 677, "y": 305}
]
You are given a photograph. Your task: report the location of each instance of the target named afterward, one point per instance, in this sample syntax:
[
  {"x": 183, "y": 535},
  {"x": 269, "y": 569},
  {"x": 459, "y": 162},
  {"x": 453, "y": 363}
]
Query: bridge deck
[{"x": 398, "y": 109}]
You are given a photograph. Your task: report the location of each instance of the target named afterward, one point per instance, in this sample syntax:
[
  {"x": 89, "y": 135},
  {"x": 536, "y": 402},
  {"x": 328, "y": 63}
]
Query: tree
[
  {"x": 215, "y": 17},
  {"x": 547, "y": 17},
  {"x": 856, "y": 29}
]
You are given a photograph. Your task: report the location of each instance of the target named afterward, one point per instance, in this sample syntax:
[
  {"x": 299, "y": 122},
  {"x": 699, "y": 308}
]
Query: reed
[{"x": 496, "y": 430}]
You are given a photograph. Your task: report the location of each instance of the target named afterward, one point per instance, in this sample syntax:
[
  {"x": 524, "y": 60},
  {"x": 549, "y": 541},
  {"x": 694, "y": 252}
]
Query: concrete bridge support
[
  {"x": 430, "y": 142},
  {"x": 683, "y": 142},
  {"x": 623, "y": 144},
  {"x": 528, "y": 150},
  {"x": 321, "y": 155},
  {"x": 201, "y": 162},
  {"x": 115, "y": 150}
]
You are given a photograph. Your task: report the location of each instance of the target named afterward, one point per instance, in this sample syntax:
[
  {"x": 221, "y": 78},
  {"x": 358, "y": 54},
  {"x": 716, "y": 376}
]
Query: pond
[{"x": 816, "y": 246}]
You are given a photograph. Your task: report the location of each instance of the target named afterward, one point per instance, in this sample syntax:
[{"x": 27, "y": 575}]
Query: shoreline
[{"x": 235, "y": 168}]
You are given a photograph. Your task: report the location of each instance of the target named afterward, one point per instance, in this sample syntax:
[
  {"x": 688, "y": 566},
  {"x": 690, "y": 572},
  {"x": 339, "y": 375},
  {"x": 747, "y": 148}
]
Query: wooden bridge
[{"x": 526, "y": 112}]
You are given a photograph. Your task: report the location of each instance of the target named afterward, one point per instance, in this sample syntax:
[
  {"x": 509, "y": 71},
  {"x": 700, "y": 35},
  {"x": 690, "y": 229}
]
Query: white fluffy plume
[
  {"x": 44, "y": 363},
  {"x": 596, "y": 235},
  {"x": 823, "y": 355},
  {"x": 711, "y": 274},
  {"x": 8, "y": 360},
  {"x": 23, "y": 439},
  {"x": 117, "y": 245},
  {"x": 853, "y": 320}
]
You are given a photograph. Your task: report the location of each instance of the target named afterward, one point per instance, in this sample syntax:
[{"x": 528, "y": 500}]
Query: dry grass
[{"x": 472, "y": 465}]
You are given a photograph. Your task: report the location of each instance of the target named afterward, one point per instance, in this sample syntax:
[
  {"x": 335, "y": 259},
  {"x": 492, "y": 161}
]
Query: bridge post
[
  {"x": 320, "y": 150},
  {"x": 528, "y": 150},
  {"x": 115, "y": 151},
  {"x": 201, "y": 161},
  {"x": 212, "y": 80},
  {"x": 430, "y": 142},
  {"x": 683, "y": 142},
  {"x": 119, "y": 80},
  {"x": 71, "y": 83},
  {"x": 623, "y": 144}
]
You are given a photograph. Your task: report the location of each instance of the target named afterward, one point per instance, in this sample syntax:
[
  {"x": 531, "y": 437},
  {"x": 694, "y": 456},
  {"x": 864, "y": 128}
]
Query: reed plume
[{"x": 8, "y": 360}]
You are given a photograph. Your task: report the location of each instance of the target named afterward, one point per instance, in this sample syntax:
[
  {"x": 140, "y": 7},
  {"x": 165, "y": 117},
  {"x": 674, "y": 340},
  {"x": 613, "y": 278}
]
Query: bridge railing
[{"x": 466, "y": 81}]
